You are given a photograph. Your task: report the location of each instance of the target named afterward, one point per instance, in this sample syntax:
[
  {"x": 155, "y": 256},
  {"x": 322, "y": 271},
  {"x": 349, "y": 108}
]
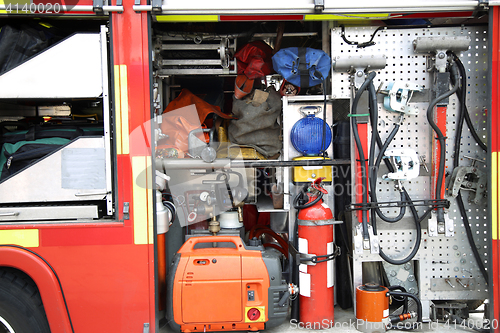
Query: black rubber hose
[
  {"x": 441, "y": 138},
  {"x": 415, "y": 298},
  {"x": 418, "y": 239},
  {"x": 468, "y": 231},
  {"x": 301, "y": 194},
  {"x": 374, "y": 166},
  {"x": 373, "y": 179},
  {"x": 461, "y": 96},
  {"x": 402, "y": 299},
  {"x": 354, "y": 121},
  {"x": 458, "y": 138}
]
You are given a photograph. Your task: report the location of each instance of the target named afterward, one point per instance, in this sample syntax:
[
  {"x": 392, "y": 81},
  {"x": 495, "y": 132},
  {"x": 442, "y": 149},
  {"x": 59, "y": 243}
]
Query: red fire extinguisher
[{"x": 316, "y": 247}]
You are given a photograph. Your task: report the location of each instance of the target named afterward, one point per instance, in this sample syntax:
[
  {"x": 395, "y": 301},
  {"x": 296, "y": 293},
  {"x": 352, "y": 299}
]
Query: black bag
[
  {"x": 17, "y": 156},
  {"x": 22, "y": 148},
  {"x": 17, "y": 45}
]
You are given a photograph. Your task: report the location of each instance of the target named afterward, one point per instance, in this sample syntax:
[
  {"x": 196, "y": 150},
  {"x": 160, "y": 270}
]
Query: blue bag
[{"x": 303, "y": 67}]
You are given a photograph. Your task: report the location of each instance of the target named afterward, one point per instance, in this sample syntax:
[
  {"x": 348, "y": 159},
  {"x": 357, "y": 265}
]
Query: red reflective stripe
[
  {"x": 363, "y": 135},
  {"x": 261, "y": 17}
]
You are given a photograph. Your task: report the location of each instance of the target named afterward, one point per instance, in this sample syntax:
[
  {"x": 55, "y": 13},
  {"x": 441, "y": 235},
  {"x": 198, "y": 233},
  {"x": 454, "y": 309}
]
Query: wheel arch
[{"x": 28, "y": 262}]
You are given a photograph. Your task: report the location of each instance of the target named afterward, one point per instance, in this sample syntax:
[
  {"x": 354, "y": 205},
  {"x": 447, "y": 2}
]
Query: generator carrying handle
[{"x": 191, "y": 242}]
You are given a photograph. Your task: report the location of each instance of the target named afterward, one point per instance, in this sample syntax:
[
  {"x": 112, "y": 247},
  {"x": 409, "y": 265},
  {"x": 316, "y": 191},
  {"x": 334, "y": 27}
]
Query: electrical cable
[
  {"x": 53, "y": 271},
  {"x": 441, "y": 138},
  {"x": 359, "y": 45},
  {"x": 405, "y": 197},
  {"x": 362, "y": 161},
  {"x": 373, "y": 168},
  {"x": 458, "y": 138},
  {"x": 461, "y": 93}
]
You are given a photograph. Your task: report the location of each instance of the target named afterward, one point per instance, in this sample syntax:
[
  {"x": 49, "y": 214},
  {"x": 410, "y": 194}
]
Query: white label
[
  {"x": 403, "y": 274},
  {"x": 325, "y": 205},
  {"x": 385, "y": 313},
  {"x": 303, "y": 248},
  {"x": 329, "y": 266},
  {"x": 305, "y": 284}
]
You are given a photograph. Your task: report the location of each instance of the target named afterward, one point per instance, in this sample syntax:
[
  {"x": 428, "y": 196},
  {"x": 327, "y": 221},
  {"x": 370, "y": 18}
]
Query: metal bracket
[
  {"x": 398, "y": 96},
  {"x": 449, "y": 227},
  {"x": 358, "y": 77},
  {"x": 360, "y": 245},
  {"x": 406, "y": 162},
  {"x": 97, "y": 7},
  {"x": 374, "y": 242},
  {"x": 469, "y": 179},
  {"x": 156, "y": 6},
  {"x": 319, "y": 6},
  {"x": 126, "y": 211},
  {"x": 434, "y": 228},
  {"x": 312, "y": 259},
  {"x": 432, "y": 225}
]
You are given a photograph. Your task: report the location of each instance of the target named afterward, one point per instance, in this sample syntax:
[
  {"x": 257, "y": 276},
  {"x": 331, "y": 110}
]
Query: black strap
[{"x": 303, "y": 70}]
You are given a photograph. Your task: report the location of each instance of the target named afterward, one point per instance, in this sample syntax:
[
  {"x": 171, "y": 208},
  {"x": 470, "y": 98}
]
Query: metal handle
[
  {"x": 9, "y": 214},
  {"x": 191, "y": 242},
  {"x": 80, "y": 194}
]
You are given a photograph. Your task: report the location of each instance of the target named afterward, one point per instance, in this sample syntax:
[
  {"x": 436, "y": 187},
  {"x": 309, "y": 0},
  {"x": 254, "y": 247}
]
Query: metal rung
[{"x": 191, "y": 47}]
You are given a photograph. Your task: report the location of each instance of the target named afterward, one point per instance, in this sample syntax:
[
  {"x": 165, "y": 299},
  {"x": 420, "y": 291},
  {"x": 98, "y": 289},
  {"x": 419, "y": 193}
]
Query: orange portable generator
[{"x": 230, "y": 287}]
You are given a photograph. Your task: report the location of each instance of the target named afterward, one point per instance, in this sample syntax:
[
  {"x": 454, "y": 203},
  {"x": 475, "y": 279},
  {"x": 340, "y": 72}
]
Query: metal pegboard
[{"x": 439, "y": 258}]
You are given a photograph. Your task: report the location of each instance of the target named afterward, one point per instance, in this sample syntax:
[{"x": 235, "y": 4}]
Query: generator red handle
[{"x": 191, "y": 242}]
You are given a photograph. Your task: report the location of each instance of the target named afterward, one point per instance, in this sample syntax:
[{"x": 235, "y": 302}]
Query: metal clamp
[
  {"x": 406, "y": 162},
  {"x": 311, "y": 259},
  {"x": 398, "y": 96},
  {"x": 360, "y": 244},
  {"x": 469, "y": 179}
]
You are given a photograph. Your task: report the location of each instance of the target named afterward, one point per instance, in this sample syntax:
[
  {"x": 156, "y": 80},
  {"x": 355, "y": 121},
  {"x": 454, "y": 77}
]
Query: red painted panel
[
  {"x": 106, "y": 287},
  {"x": 261, "y": 17},
  {"x": 86, "y": 236},
  {"x": 131, "y": 48}
]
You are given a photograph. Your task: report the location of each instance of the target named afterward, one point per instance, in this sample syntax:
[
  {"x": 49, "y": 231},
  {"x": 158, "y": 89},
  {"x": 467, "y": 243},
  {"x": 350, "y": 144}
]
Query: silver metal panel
[
  {"x": 439, "y": 257},
  {"x": 43, "y": 180},
  {"x": 40, "y": 213},
  {"x": 73, "y": 66},
  {"x": 83, "y": 168}
]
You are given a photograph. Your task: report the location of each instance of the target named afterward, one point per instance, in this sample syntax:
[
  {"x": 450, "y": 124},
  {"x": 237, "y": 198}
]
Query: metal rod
[
  {"x": 331, "y": 7},
  {"x": 185, "y": 163},
  {"x": 277, "y": 164}
]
